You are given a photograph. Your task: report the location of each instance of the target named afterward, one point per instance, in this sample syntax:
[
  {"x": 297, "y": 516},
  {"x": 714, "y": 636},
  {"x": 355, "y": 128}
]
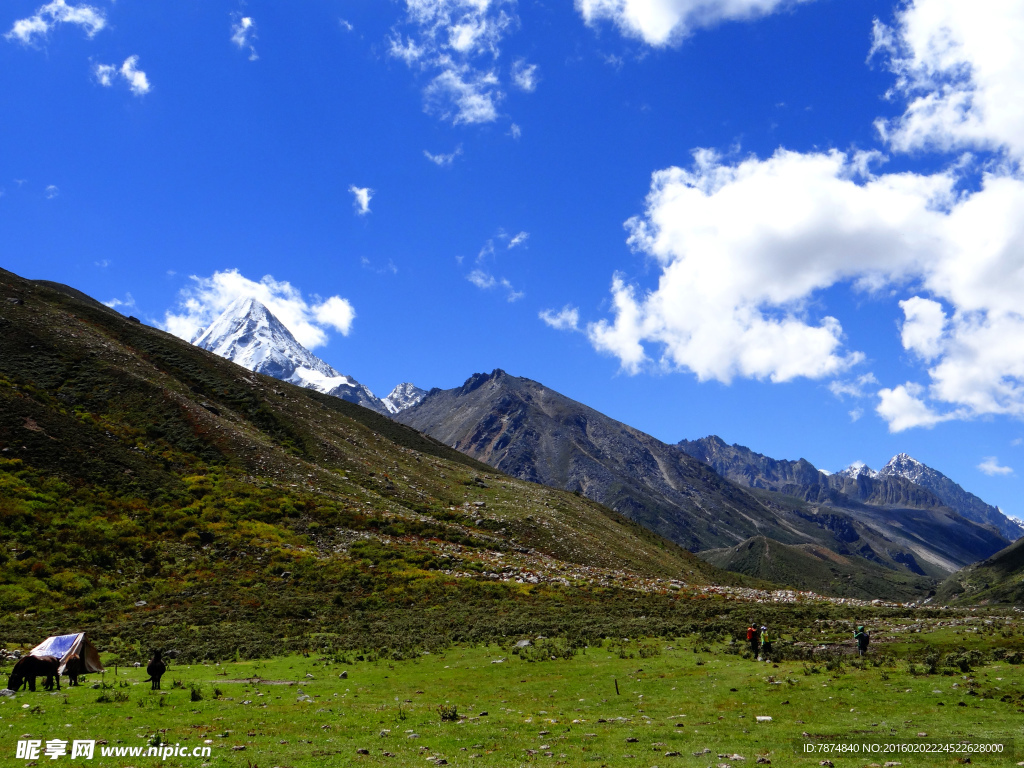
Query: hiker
[
  {"x": 754, "y": 639},
  {"x": 862, "y": 638},
  {"x": 766, "y": 643}
]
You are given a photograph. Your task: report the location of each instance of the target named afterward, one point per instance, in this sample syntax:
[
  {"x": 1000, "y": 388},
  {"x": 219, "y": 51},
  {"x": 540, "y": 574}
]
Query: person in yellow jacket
[{"x": 766, "y": 643}]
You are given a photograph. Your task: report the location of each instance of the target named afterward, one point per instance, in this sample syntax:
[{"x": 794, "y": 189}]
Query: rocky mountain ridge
[
  {"x": 953, "y": 495},
  {"x": 534, "y": 433},
  {"x": 903, "y": 482}
]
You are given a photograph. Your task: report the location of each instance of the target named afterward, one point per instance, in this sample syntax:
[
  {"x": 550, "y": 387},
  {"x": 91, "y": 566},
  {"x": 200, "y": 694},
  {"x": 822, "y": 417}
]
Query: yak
[
  {"x": 156, "y": 669},
  {"x": 28, "y": 668},
  {"x": 73, "y": 667}
]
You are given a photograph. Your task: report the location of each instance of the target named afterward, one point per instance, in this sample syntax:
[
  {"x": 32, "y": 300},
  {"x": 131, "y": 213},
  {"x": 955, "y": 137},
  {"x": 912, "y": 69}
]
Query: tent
[{"x": 63, "y": 646}]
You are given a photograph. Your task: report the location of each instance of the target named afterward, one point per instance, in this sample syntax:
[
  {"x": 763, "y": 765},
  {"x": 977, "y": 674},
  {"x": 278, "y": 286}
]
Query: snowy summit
[
  {"x": 856, "y": 469},
  {"x": 404, "y": 396},
  {"x": 948, "y": 492},
  {"x": 249, "y": 334}
]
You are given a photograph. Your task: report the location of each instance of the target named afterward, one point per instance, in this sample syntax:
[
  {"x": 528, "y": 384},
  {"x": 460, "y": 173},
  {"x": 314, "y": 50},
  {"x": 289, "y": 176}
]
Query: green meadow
[{"x": 624, "y": 702}]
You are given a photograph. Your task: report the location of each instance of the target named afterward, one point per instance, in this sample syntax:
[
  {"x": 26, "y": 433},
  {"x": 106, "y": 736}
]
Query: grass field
[{"x": 552, "y": 704}]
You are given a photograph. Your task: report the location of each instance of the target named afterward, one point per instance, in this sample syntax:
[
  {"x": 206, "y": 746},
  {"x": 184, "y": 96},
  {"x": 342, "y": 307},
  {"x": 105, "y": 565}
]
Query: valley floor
[{"x": 628, "y": 702}]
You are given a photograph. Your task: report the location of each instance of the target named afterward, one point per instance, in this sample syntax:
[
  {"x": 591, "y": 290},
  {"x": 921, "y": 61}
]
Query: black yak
[
  {"x": 28, "y": 668},
  {"x": 156, "y": 669}
]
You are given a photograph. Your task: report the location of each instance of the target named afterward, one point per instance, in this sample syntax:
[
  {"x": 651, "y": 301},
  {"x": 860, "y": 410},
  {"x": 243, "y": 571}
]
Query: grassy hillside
[
  {"x": 999, "y": 579},
  {"x": 819, "y": 569},
  {"x": 149, "y": 488}
]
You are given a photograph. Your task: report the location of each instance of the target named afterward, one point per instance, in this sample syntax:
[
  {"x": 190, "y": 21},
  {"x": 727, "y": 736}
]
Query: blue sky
[{"x": 791, "y": 224}]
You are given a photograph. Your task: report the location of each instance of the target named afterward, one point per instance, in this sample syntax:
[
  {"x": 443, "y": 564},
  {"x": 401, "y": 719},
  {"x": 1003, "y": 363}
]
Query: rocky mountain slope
[
  {"x": 908, "y": 516},
  {"x": 249, "y": 334},
  {"x": 998, "y": 579},
  {"x": 154, "y": 492},
  {"x": 952, "y": 495},
  {"x": 532, "y": 432}
]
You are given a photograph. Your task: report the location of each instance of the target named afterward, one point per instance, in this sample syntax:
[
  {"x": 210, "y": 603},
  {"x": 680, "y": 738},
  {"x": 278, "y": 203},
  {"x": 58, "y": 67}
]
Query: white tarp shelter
[{"x": 62, "y": 646}]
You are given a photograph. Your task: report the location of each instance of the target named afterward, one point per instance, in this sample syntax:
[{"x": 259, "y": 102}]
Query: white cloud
[
  {"x": 335, "y": 312},
  {"x": 991, "y": 467},
  {"x": 387, "y": 269},
  {"x": 524, "y": 75},
  {"x": 485, "y": 281},
  {"x": 857, "y": 387},
  {"x": 346, "y": 25},
  {"x": 129, "y": 71},
  {"x": 37, "y": 27},
  {"x": 960, "y": 66},
  {"x": 127, "y": 303},
  {"x": 361, "y": 199},
  {"x": 923, "y": 329},
  {"x": 243, "y": 33},
  {"x": 903, "y": 408},
  {"x": 745, "y": 248},
  {"x": 566, "y": 319},
  {"x": 201, "y": 302},
  {"x": 486, "y": 252},
  {"x": 512, "y": 295},
  {"x": 663, "y": 22},
  {"x": 137, "y": 80},
  {"x": 856, "y": 413},
  {"x": 105, "y": 74},
  {"x": 51, "y": 191},
  {"x": 515, "y": 131},
  {"x": 442, "y": 159},
  {"x": 464, "y": 95},
  {"x": 457, "y": 43},
  {"x": 481, "y": 279},
  {"x": 519, "y": 239}
]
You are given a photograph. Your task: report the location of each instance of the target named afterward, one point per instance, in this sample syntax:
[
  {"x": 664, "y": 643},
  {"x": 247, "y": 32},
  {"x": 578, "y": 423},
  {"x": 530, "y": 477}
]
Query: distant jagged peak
[
  {"x": 404, "y": 396},
  {"x": 857, "y": 469},
  {"x": 906, "y": 466}
]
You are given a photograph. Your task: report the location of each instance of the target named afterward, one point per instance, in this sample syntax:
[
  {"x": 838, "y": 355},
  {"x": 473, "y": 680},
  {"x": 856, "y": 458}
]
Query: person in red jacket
[{"x": 754, "y": 638}]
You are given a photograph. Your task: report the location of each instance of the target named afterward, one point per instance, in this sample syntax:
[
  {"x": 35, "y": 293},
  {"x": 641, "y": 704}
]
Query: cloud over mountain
[
  {"x": 746, "y": 247},
  {"x": 308, "y": 319}
]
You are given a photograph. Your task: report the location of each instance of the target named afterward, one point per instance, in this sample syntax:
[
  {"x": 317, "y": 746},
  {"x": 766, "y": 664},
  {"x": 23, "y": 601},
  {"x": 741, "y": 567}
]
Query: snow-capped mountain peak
[
  {"x": 905, "y": 466},
  {"x": 951, "y": 494},
  {"x": 249, "y": 334},
  {"x": 856, "y": 469},
  {"x": 404, "y": 396}
]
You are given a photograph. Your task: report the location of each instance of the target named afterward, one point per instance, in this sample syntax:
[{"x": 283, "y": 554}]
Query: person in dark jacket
[
  {"x": 862, "y": 638},
  {"x": 156, "y": 669}
]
